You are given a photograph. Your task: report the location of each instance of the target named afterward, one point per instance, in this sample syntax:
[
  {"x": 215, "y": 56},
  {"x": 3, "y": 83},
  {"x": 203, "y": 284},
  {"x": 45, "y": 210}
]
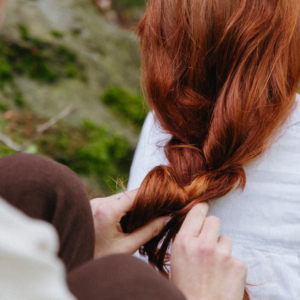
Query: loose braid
[{"x": 221, "y": 77}]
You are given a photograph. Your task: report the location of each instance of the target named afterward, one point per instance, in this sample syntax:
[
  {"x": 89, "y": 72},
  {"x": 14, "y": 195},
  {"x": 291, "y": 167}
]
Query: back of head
[{"x": 221, "y": 77}]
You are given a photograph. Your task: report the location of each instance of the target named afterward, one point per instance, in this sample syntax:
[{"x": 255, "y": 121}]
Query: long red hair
[{"x": 221, "y": 77}]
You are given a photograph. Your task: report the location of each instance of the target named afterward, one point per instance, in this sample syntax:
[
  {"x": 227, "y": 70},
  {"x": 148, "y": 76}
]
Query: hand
[
  {"x": 110, "y": 238},
  {"x": 201, "y": 263}
]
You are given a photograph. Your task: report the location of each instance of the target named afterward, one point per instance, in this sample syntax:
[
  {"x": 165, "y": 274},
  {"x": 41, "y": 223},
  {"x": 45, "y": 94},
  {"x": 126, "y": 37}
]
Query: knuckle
[
  {"x": 206, "y": 249},
  {"x": 224, "y": 256},
  {"x": 101, "y": 210},
  {"x": 105, "y": 211},
  {"x": 182, "y": 242},
  {"x": 240, "y": 267},
  {"x": 95, "y": 203}
]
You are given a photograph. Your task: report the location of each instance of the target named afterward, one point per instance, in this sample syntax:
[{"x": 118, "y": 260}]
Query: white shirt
[
  {"x": 29, "y": 267},
  {"x": 264, "y": 220}
]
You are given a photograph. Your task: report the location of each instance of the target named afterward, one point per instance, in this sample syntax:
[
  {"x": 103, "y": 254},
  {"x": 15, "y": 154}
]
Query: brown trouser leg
[
  {"x": 120, "y": 277},
  {"x": 47, "y": 190}
]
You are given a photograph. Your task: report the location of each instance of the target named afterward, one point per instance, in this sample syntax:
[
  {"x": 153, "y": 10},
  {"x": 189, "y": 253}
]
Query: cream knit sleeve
[{"x": 29, "y": 267}]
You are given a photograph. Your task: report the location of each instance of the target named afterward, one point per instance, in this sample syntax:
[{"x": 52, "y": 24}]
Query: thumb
[{"x": 143, "y": 235}]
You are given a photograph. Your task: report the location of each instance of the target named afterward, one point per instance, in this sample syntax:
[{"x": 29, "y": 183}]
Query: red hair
[{"x": 221, "y": 77}]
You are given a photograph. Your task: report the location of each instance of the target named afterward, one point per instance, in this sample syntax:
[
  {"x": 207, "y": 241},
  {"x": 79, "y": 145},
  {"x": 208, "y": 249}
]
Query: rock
[{"x": 109, "y": 56}]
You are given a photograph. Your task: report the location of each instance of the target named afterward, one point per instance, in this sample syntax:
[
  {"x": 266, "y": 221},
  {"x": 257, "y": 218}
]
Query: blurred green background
[{"x": 57, "y": 53}]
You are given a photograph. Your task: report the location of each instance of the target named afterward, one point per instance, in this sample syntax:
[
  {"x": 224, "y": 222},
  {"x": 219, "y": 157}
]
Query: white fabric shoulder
[
  {"x": 149, "y": 152},
  {"x": 29, "y": 268},
  {"x": 263, "y": 221}
]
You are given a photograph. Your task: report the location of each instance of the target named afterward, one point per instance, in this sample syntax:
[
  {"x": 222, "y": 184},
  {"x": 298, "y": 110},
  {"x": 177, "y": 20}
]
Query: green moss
[
  {"x": 19, "y": 99},
  {"x": 39, "y": 60},
  {"x": 36, "y": 42},
  {"x": 4, "y": 150},
  {"x": 24, "y": 31},
  {"x": 129, "y": 107},
  {"x": 129, "y": 3},
  {"x": 40, "y": 71},
  {"x": 3, "y": 107},
  {"x": 5, "y": 71},
  {"x": 57, "y": 34},
  {"x": 76, "y": 32},
  {"x": 66, "y": 54},
  {"x": 89, "y": 150},
  {"x": 36, "y": 59},
  {"x": 72, "y": 71}
]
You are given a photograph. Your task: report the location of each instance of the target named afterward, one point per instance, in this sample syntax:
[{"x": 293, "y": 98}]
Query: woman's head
[
  {"x": 231, "y": 56},
  {"x": 221, "y": 77}
]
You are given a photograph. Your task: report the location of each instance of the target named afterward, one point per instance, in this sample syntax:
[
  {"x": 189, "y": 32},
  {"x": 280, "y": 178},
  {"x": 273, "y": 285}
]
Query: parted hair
[{"x": 221, "y": 77}]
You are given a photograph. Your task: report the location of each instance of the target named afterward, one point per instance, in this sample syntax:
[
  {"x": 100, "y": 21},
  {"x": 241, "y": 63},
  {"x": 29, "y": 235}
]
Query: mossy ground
[
  {"x": 88, "y": 150},
  {"x": 39, "y": 60},
  {"x": 126, "y": 106}
]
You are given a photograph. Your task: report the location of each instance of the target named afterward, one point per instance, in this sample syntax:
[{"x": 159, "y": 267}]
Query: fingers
[
  {"x": 117, "y": 205},
  {"x": 123, "y": 203},
  {"x": 225, "y": 243},
  {"x": 130, "y": 196},
  {"x": 97, "y": 202},
  {"x": 146, "y": 233},
  {"x": 194, "y": 220},
  {"x": 211, "y": 230}
]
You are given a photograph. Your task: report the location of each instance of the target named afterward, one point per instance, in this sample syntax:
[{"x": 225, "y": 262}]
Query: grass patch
[
  {"x": 3, "y": 107},
  {"x": 89, "y": 149},
  {"x": 128, "y": 107}
]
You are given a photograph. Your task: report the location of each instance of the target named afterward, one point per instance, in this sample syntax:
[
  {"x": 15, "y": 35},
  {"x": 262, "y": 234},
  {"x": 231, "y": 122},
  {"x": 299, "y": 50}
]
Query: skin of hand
[
  {"x": 201, "y": 263},
  {"x": 110, "y": 238}
]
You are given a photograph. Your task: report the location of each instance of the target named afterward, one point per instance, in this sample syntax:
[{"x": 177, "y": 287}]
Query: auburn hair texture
[{"x": 221, "y": 77}]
